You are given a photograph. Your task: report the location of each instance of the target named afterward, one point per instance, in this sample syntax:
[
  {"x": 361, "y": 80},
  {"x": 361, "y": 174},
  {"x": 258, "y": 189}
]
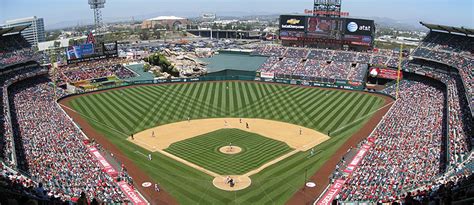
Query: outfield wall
[{"x": 345, "y": 85}]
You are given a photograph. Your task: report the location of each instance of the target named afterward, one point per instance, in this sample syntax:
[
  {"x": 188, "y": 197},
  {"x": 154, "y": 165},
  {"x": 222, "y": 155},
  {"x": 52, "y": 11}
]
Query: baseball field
[{"x": 185, "y": 166}]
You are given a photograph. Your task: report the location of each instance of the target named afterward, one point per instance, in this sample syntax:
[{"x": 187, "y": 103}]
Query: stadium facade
[{"x": 171, "y": 22}]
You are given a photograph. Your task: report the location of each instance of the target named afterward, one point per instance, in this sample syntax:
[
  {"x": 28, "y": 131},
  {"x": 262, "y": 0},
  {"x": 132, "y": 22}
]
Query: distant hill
[{"x": 380, "y": 21}]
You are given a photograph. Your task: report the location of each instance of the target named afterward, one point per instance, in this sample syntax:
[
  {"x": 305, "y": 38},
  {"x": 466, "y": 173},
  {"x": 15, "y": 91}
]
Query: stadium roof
[
  {"x": 450, "y": 29},
  {"x": 162, "y": 18},
  {"x": 14, "y": 29}
]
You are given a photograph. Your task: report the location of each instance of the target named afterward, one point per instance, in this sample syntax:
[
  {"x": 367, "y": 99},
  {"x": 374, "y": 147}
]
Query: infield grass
[
  {"x": 118, "y": 113},
  {"x": 204, "y": 151}
]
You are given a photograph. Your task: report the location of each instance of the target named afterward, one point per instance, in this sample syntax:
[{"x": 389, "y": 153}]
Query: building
[
  {"x": 165, "y": 22},
  {"x": 34, "y": 33}
]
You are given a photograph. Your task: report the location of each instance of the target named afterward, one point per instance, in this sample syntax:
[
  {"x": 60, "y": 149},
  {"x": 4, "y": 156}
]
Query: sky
[{"x": 446, "y": 12}]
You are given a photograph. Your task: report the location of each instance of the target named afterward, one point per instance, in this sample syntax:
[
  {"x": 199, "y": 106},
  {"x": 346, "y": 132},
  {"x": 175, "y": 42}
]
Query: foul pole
[{"x": 399, "y": 69}]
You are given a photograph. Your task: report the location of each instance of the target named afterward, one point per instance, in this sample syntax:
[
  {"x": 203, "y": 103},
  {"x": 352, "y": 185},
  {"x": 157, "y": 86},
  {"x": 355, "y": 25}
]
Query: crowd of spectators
[
  {"x": 300, "y": 63},
  {"x": 296, "y": 53},
  {"x": 16, "y": 187},
  {"x": 269, "y": 63},
  {"x": 52, "y": 149},
  {"x": 460, "y": 135},
  {"x": 298, "y": 67},
  {"x": 363, "y": 57},
  {"x": 451, "y": 49},
  {"x": 448, "y": 42},
  {"x": 278, "y": 51},
  {"x": 455, "y": 189},
  {"x": 287, "y": 66},
  {"x": 320, "y": 54},
  {"x": 378, "y": 56},
  {"x": 17, "y": 56},
  {"x": 344, "y": 56},
  {"x": 407, "y": 147},
  {"x": 15, "y": 49},
  {"x": 6, "y": 142},
  {"x": 380, "y": 60},
  {"x": 95, "y": 69}
]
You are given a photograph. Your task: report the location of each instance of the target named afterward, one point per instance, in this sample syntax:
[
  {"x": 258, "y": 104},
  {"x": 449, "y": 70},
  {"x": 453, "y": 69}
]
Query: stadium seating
[
  {"x": 324, "y": 64},
  {"x": 286, "y": 66},
  {"x": 407, "y": 146},
  {"x": 268, "y": 64},
  {"x": 296, "y": 53},
  {"x": 6, "y": 144},
  {"x": 52, "y": 149},
  {"x": 451, "y": 49},
  {"x": 16, "y": 188},
  {"x": 15, "y": 49},
  {"x": 94, "y": 69},
  {"x": 320, "y": 54},
  {"x": 460, "y": 124},
  {"x": 344, "y": 56},
  {"x": 272, "y": 51}
]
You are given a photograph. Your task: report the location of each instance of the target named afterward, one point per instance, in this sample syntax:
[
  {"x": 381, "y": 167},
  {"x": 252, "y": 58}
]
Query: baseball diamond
[
  {"x": 313, "y": 108},
  {"x": 120, "y": 113}
]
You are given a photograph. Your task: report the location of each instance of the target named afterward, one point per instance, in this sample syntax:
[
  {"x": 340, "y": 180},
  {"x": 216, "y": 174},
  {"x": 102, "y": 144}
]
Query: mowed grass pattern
[
  {"x": 118, "y": 113},
  {"x": 204, "y": 151}
]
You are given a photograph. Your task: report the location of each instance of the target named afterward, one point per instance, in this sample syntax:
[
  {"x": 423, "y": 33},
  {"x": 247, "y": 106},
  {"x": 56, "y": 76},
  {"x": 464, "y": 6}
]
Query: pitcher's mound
[
  {"x": 230, "y": 150},
  {"x": 240, "y": 182}
]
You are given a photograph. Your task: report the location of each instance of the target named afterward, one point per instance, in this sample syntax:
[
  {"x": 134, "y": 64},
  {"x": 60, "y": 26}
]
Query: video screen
[
  {"x": 81, "y": 51},
  {"x": 89, "y": 51},
  {"x": 321, "y": 25}
]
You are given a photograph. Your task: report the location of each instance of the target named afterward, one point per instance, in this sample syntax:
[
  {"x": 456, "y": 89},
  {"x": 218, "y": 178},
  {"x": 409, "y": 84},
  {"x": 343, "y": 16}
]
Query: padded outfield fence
[{"x": 328, "y": 84}]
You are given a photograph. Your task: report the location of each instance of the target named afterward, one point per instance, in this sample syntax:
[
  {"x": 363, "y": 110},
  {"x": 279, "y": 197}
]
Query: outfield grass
[
  {"x": 204, "y": 151},
  {"x": 119, "y": 113}
]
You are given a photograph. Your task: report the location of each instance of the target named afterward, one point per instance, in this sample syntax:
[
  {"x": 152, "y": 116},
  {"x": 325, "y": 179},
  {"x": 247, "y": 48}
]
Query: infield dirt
[{"x": 302, "y": 196}]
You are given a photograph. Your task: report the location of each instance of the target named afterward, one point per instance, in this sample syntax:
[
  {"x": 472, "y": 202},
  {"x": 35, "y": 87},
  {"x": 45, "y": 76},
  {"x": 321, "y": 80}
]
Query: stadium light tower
[
  {"x": 327, "y": 8},
  {"x": 96, "y": 5}
]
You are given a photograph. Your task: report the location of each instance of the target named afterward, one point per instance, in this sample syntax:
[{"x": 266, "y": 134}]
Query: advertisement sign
[
  {"x": 357, "y": 158},
  {"x": 291, "y": 35},
  {"x": 359, "y": 40},
  {"x": 292, "y": 23},
  {"x": 134, "y": 197},
  {"x": 103, "y": 162},
  {"x": 332, "y": 192},
  {"x": 267, "y": 75},
  {"x": 386, "y": 73},
  {"x": 360, "y": 27}
]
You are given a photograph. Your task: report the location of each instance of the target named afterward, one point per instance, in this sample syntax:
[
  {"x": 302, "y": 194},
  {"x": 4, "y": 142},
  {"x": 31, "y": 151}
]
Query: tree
[
  {"x": 57, "y": 44},
  {"x": 146, "y": 67},
  {"x": 144, "y": 35},
  {"x": 160, "y": 60},
  {"x": 72, "y": 42}
]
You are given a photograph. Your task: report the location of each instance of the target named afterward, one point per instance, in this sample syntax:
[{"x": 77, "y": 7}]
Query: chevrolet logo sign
[{"x": 293, "y": 21}]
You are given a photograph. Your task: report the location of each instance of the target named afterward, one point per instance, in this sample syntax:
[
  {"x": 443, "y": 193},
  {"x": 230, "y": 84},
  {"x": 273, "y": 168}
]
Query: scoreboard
[
  {"x": 90, "y": 51},
  {"x": 358, "y": 32}
]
